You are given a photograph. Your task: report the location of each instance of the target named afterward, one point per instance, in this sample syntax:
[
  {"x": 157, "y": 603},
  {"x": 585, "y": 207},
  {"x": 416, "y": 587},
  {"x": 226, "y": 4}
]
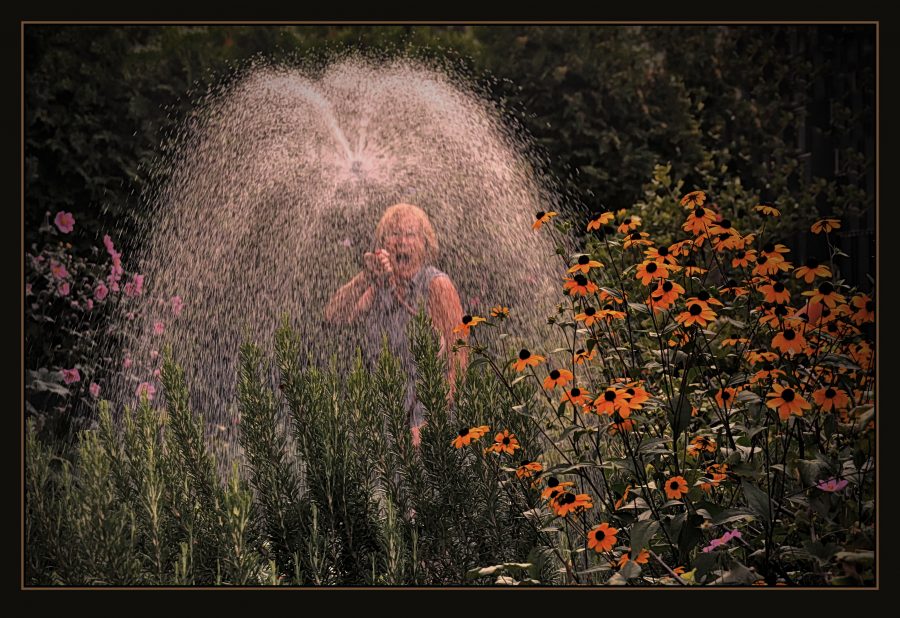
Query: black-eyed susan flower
[
  {"x": 789, "y": 341},
  {"x": 620, "y": 424},
  {"x": 699, "y": 220},
  {"x": 527, "y": 359},
  {"x": 588, "y": 316},
  {"x": 694, "y": 199},
  {"x": 682, "y": 247},
  {"x": 637, "y": 394},
  {"x": 602, "y": 538},
  {"x": 715, "y": 474},
  {"x": 775, "y": 293},
  {"x": 831, "y": 398},
  {"x": 742, "y": 259},
  {"x": 642, "y": 558},
  {"x": 612, "y": 400},
  {"x": 584, "y": 264},
  {"x": 621, "y": 501},
  {"x": 557, "y": 377},
  {"x": 663, "y": 256},
  {"x": 865, "y": 309},
  {"x": 577, "y": 396},
  {"x": 768, "y": 209},
  {"x": 554, "y": 488},
  {"x": 579, "y": 285},
  {"x": 826, "y": 294},
  {"x": 697, "y": 313},
  {"x": 825, "y": 225},
  {"x": 812, "y": 269},
  {"x": 599, "y": 219},
  {"x": 528, "y": 469},
  {"x": 705, "y": 297},
  {"x": 691, "y": 269},
  {"x": 541, "y": 217},
  {"x": 468, "y": 321},
  {"x": 610, "y": 313},
  {"x": 724, "y": 229},
  {"x": 468, "y": 435},
  {"x": 766, "y": 373},
  {"x": 629, "y": 224},
  {"x": 760, "y": 355},
  {"x": 567, "y": 502},
  {"x": 786, "y": 401},
  {"x": 499, "y": 311},
  {"x": 702, "y": 444},
  {"x": 504, "y": 442},
  {"x": 775, "y": 251},
  {"x": 649, "y": 270},
  {"x": 676, "y": 487},
  {"x": 734, "y": 341},
  {"x": 582, "y": 356},
  {"x": 725, "y": 397},
  {"x": 636, "y": 238},
  {"x": 732, "y": 287},
  {"x": 766, "y": 266}
]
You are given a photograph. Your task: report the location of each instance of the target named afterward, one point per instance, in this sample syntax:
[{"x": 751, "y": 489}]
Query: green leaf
[
  {"x": 641, "y": 534},
  {"x": 757, "y": 500},
  {"x": 731, "y": 515},
  {"x": 630, "y": 569}
]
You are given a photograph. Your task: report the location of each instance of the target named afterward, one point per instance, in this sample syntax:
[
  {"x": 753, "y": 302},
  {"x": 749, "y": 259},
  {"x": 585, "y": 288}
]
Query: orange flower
[
  {"x": 664, "y": 257},
  {"x": 715, "y": 474},
  {"x": 541, "y": 218},
  {"x": 582, "y": 355},
  {"x": 499, "y": 311},
  {"x": 650, "y": 270},
  {"x": 620, "y": 424},
  {"x": 567, "y": 502},
  {"x": 468, "y": 435},
  {"x": 699, "y": 220},
  {"x": 694, "y": 199},
  {"x": 825, "y": 294},
  {"x": 734, "y": 341},
  {"x": 623, "y": 499},
  {"x": 865, "y": 309},
  {"x": 637, "y": 238},
  {"x": 768, "y": 209},
  {"x": 608, "y": 313},
  {"x": 527, "y": 359},
  {"x": 554, "y": 488},
  {"x": 583, "y": 264},
  {"x": 825, "y": 225},
  {"x": 766, "y": 374},
  {"x": 557, "y": 377},
  {"x": 768, "y": 266},
  {"x": 786, "y": 401},
  {"x": 725, "y": 397},
  {"x": 599, "y": 219},
  {"x": 577, "y": 397},
  {"x": 789, "y": 341},
  {"x": 588, "y": 316},
  {"x": 742, "y": 259},
  {"x": 701, "y": 444},
  {"x": 602, "y": 538},
  {"x": 775, "y": 293},
  {"x": 831, "y": 399},
  {"x": 579, "y": 285},
  {"x": 628, "y": 224},
  {"x": 468, "y": 321},
  {"x": 697, "y": 313},
  {"x": 812, "y": 269},
  {"x": 642, "y": 558},
  {"x": 527, "y": 469},
  {"x": 504, "y": 442},
  {"x": 612, "y": 400},
  {"x": 676, "y": 487}
]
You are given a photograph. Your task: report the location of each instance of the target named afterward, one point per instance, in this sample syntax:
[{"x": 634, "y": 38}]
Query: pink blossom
[
  {"x": 154, "y": 354},
  {"x": 63, "y": 288},
  {"x": 27, "y": 289},
  {"x": 722, "y": 540},
  {"x": 138, "y": 283},
  {"x": 177, "y": 305},
  {"x": 89, "y": 304},
  {"x": 832, "y": 485},
  {"x": 156, "y": 373},
  {"x": 158, "y": 328},
  {"x": 70, "y": 376},
  {"x": 64, "y": 221},
  {"x": 145, "y": 389},
  {"x": 59, "y": 270},
  {"x": 94, "y": 390},
  {"x": 101, "y": 291},
  {"x": 129, "y": 315},
  {"x": 127, "y": 362},
  {"x": 129, "y": 289},
  {"x": 108, "y": 243}
]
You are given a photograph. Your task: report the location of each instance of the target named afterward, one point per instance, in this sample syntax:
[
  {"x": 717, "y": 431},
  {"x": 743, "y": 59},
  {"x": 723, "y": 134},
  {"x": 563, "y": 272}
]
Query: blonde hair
[{"x": 400, "y": 210}]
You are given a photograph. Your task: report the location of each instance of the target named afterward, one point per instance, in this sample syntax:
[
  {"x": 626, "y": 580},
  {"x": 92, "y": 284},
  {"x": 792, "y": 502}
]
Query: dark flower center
[
  {"x": 583, "y": 259},
  {"x": 506, "y": 441},
  {"x": 830, "y": 393},
  {"x": 812, "y": 262},
  {"x": 599, "y": 535},
  {"x": 662, "y": 251},
  {"x": 699, "y": 211},
  {"x": 608, "y": 307},
  {"x": 580, "y": 279},
  {"x": 870, "y": 306},
  {"x": 524, "y": 463},
  {"x": 466, "y": 319},
  {"x": 789, "y": 334},
  {"x": 788, "y": 395},
  {"x": 554, "y": 375},
  {"x": 778, "y": 287},
  {"x": 651, "y": 267},
  {"x": 590, "y": 311},
  {"x": 609, "y": 395},
  {"x": 673, "y": 485},
  {"x": 767, "y": 366},
  {"x": 832, "y": 328},
  {"x": 464, "y": 432},
  {"x": 627, "y": 221},
  {"x": 781, "y": 310},
  {"x": 667, "y": 286},
  {"x": 636, "y": 236},
  {"x": 695, "y": 309},
  {"x": 826, "y": 288},
  {"x": 580, "y": 351},
  {"x": 726, "y": 224},
  {"x": 762, "y": 259},
  {"x": 567, "y": 498},
  {"x": 539, "y": 214},
  {"x": 732, "y": 283},
  {"x": 726, "y": 395},
  {"x": 704, "y": 296},
  {"x": 575, "y": 392},
  {"x": 524, "y": 354},
  {"x": 552, "y": 482},
  {"x": 630, "y": 391},
  {"x": 740, "y": 255},
  {"x": 769, "y": 247}
]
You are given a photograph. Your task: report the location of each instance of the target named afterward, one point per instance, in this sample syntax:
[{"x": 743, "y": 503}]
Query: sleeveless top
[{"x": 388, "y": 317}]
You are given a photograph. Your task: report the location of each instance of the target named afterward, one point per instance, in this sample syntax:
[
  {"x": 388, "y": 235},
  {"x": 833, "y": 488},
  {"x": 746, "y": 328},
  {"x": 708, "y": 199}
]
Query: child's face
[{"x": 405, "y": 243}]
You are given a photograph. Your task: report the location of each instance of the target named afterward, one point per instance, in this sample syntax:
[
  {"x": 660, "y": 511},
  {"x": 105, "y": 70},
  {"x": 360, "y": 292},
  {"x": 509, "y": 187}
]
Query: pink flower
[
  {"x": 158, "y": 328},
  {"x": 138, "y": 283},
  {"x": 63, "y": 288},
  {"x": 145, "y": 389},
  {"x": 64, "y": 221},
  {"x": 70, "y": 376},
  {"x": 177, "y": 305},
  {"x": 153, "y": 354},
  {"x": 127, "y": 362},
  {"x": 832, "y": 485},
  {"x": 108, "y": 243},
  {"x": 59, "y": 270},
  {"x": 129, "y": 289},
  {"x": 101, "y": 291},
  {"x": 156, "y": 373},
  {"x": 89, "y": 304},
  {"x": 94, "y": 390},
  {"x": 722, "y": 540},
  {"x": 129, "y": 315}
]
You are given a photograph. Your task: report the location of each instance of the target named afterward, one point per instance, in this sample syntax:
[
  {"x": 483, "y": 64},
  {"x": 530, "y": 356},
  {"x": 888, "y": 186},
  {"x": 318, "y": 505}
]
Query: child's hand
[{"x": 378, "y": 265}]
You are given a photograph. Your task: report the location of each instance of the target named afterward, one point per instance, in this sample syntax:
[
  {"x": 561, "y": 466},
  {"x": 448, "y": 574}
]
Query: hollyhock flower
[
  {"x": 177, "y": 305},
  {"x": 154, "y": 354},
  {"x": 145, "y": 389},
  {"x": 127, "y": 362},
  {"x": 832, "y": 485},
  {"x": 89, "y": 304},
  {"x": 158, "y": 328},
  {"x": 101, "y": 291},
  {"x": 156, "y": 373},
  {"x": 64, "y": 221},
  {"x": 63, "y": 288},
  {"x": 59, "y": 270},
  {"x": 70, "y": 376},
  {"x": 94, "y": 390}
]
